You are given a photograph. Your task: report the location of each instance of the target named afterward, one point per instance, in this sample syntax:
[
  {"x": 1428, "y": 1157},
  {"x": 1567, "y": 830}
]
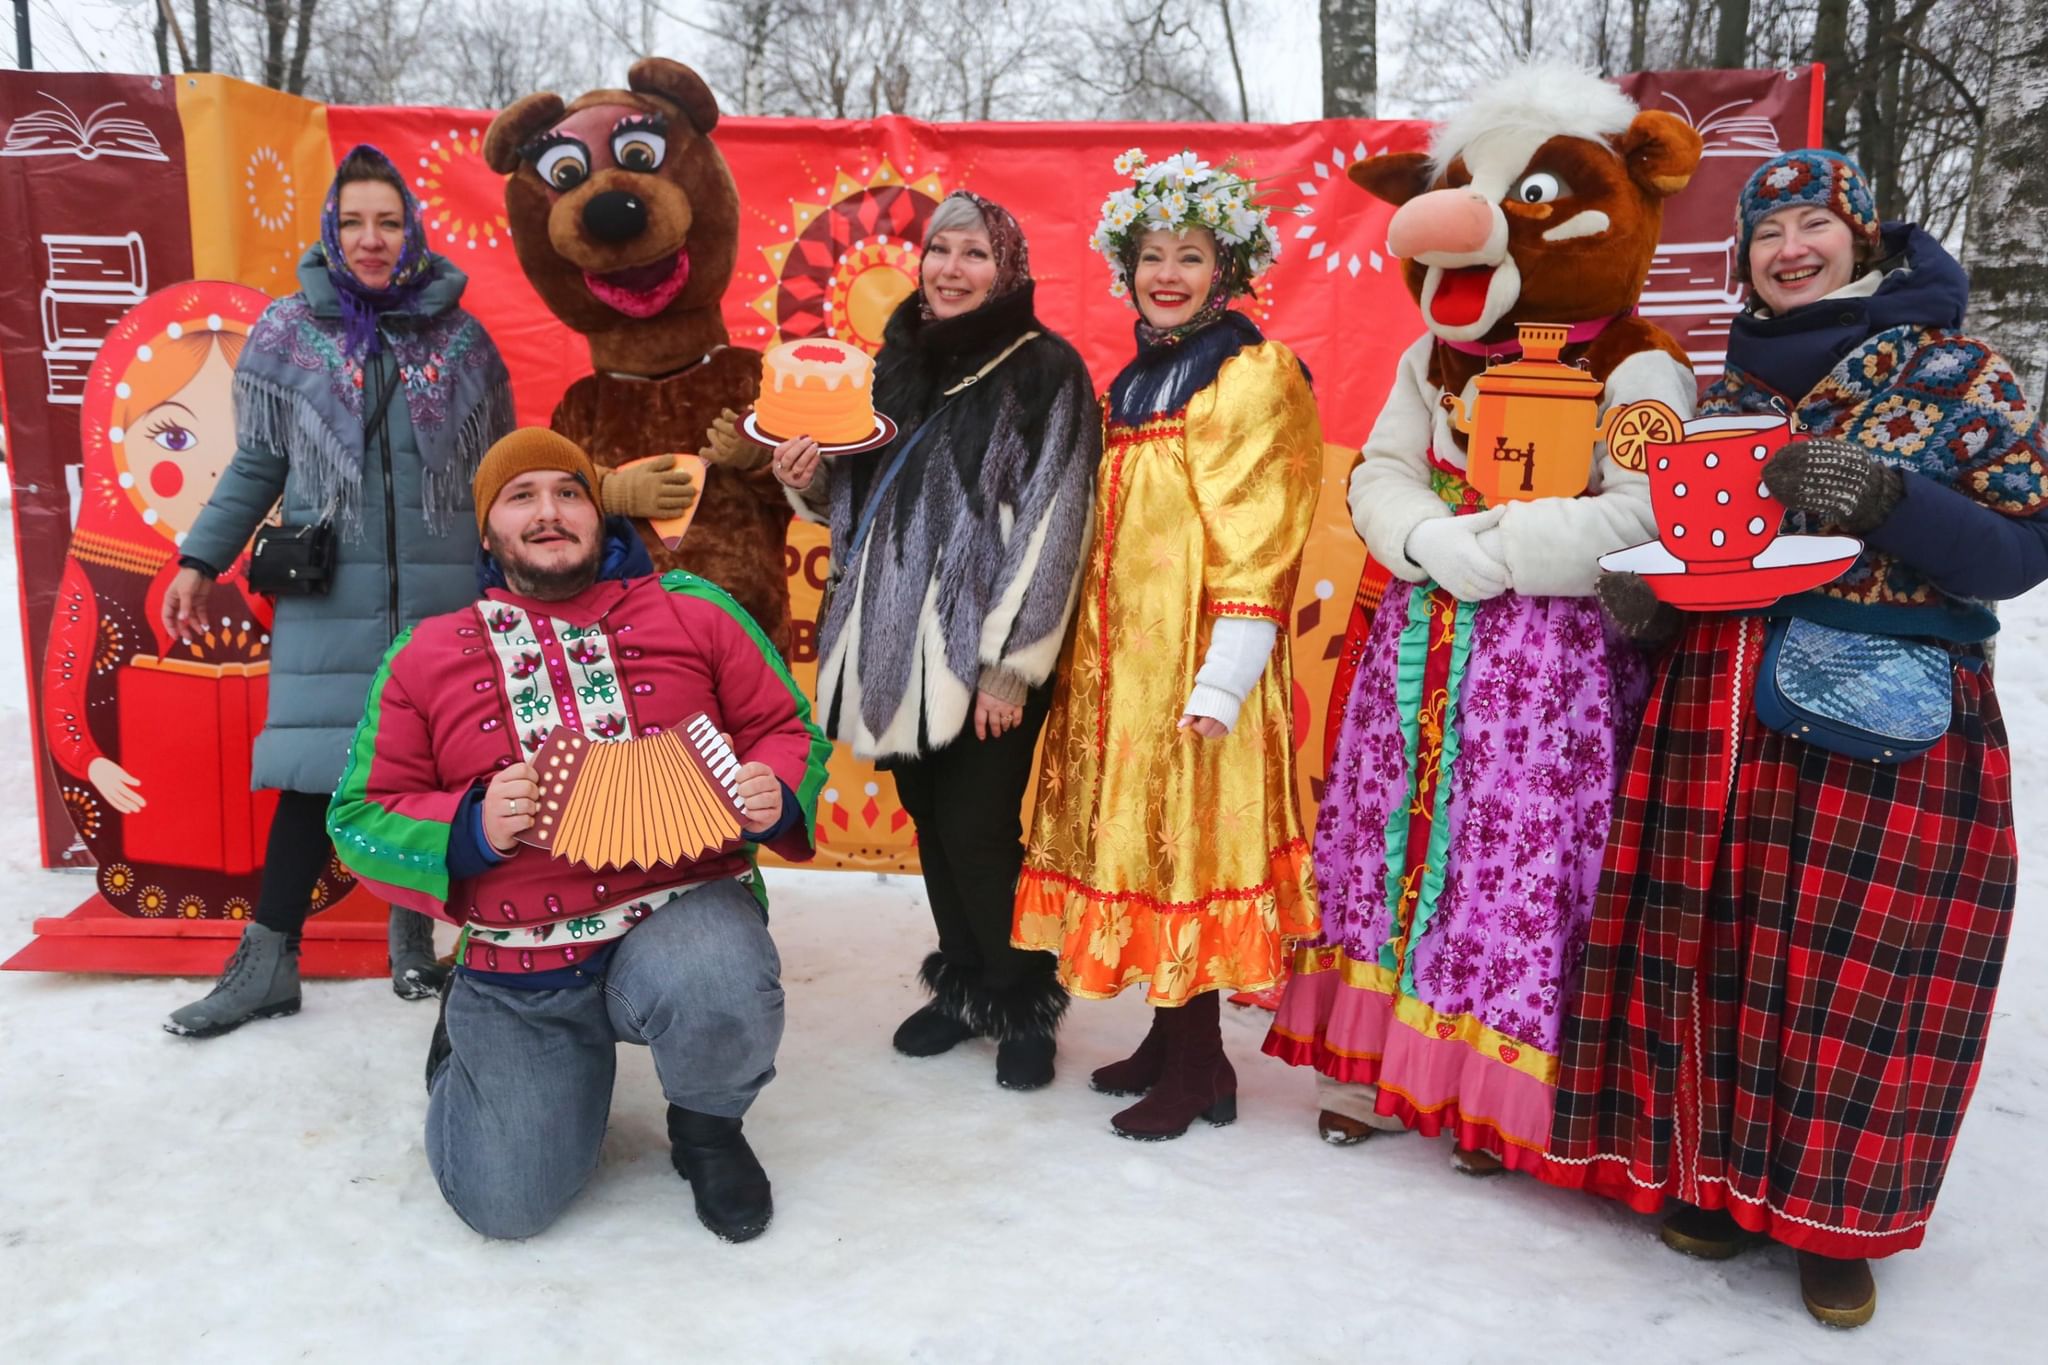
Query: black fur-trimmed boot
[
  {"x": 1025, "y": 1022},
  {"x": 941, "y": 1025}
]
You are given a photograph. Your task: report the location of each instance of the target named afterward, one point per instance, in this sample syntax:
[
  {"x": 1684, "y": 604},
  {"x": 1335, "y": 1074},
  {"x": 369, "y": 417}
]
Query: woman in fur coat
[{"x": 955, "y": 552}]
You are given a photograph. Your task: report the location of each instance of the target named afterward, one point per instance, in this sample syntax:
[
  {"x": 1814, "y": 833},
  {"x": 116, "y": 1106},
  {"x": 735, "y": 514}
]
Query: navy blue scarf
[
  {"x": 1791, "y": 352},
  {"x": 1162, "y": 377}
]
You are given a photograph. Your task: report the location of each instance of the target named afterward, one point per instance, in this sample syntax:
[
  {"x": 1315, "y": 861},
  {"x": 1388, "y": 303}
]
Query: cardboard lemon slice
[{"x": 1632, "y": 429}]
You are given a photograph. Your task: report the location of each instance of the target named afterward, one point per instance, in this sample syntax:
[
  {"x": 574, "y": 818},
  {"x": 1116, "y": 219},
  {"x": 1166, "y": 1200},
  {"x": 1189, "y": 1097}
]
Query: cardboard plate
[{"x": 884, "y": 432}]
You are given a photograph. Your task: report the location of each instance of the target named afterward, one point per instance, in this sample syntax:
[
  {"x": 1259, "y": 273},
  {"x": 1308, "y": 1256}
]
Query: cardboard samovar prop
[{"x": 1532, "y": 424}]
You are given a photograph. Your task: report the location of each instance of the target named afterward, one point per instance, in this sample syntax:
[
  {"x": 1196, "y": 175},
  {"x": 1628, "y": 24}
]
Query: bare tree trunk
[
  {"x": 1731, "y": 37},
  {"x": 1870, "y": 130},
  {"x": 1638, "y": 32},
  {"x": 295, "y": 82},
  {"x": 163, "y": 46},
  {"x": 1244, "y": 104},
  {"x": 276, "y": 16},
  {"x": 169, "y": 19},
  {"x": 1350, "y": 58},
  {"x": 2007, "y": 245},
  {"x": 202, "y": 35},
  {"x": 1884, "y": 77},
  {"x": 1831, "y": 50}
]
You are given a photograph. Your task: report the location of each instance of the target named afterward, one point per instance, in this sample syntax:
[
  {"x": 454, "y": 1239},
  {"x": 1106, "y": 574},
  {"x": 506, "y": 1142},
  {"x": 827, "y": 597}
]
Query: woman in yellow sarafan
[{"x": 1167, "y": 847}]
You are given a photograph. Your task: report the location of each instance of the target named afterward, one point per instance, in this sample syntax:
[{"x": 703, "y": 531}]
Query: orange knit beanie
[{"x": 522, "y": 452}]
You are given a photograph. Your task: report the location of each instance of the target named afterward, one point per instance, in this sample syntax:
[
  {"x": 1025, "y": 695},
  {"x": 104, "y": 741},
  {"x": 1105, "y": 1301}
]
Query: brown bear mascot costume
[{"x": 626, "y": 221}]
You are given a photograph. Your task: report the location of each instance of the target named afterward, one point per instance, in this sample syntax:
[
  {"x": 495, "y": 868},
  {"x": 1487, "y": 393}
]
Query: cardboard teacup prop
[
  {"x": 1532, "y": 422},
  {"x": 1717, "y": 545},
  {"x": 672, "y": 529}
]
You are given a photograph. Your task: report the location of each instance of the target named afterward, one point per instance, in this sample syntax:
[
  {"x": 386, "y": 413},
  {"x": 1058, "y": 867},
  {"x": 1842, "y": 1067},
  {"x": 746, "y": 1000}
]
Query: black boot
[
  {"x": 438, "y": 1047},
  {"x": 1024, "y": 1020},
  {"x": 416, "y": 974},
  {"x": 941, "y": 1025},
  {"x": 730, "y": 1188}
]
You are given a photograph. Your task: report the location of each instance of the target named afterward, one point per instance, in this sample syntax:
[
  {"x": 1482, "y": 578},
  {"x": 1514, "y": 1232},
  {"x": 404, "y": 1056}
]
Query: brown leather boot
[
  {"x": 1195, "y": 1081},
  {"x": 1341, "y": 1130},
  {"x": 1475, "y": 1163},
  {"x": 1137, "y": 1073},
  {"x": 1710, "y": 1234},
  {"x": 1837, "y": 1293}
]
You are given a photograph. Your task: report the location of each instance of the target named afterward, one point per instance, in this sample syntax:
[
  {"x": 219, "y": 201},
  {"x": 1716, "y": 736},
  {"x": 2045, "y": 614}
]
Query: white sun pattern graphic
[
  {"x": 439, "y": 198},
  {"x": 1338, "y": 259},
  {"x": 273, "y": 199}
]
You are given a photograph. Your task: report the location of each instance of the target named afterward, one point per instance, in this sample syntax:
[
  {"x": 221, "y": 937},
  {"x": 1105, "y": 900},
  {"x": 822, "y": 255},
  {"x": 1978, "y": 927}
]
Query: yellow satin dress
[{"x": 1156, "y": 855}]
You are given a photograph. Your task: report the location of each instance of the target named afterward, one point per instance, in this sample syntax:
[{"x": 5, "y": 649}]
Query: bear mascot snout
[{"x": 626, "y": 221}]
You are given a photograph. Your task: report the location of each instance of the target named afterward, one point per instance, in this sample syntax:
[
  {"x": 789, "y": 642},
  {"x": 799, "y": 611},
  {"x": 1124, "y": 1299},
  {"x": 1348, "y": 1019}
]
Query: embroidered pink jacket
[{"x": 463, "y": 695}]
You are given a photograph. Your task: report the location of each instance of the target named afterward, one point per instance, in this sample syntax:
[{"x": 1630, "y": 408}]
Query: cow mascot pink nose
[{"x": 1449, "y": 222}]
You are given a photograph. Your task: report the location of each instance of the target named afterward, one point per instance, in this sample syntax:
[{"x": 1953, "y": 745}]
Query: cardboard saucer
[{"x": 1788, "y": 565}]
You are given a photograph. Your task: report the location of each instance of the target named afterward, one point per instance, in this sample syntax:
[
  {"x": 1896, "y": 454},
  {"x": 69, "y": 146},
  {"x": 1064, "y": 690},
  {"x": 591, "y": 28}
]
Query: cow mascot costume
[
  {"x": 1458, "y": 847},
  {"x": 626, "y": 221}
]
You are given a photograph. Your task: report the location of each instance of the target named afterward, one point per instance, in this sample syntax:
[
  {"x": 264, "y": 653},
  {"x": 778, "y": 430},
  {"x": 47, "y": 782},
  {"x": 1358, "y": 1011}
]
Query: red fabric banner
[{"x": 99, "y": 192}]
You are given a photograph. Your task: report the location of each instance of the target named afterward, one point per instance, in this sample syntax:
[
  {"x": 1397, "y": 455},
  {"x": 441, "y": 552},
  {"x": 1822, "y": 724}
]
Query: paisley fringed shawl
[{"x": 299, "y": 394}]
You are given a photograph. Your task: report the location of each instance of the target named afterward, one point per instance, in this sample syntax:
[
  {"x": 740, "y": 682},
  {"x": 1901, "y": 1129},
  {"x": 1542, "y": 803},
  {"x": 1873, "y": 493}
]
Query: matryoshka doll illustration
[{"x": 151, "y": 737}]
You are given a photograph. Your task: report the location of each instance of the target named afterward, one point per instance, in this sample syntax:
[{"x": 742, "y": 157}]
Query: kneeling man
[{"x": 557, "y": 962}]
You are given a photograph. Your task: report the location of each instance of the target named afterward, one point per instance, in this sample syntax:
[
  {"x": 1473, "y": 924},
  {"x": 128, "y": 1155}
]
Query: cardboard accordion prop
[{"x": 658, "y": 800}]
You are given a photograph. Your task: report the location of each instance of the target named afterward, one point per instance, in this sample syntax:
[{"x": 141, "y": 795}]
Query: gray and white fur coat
[{"x": 967, "y": 576}]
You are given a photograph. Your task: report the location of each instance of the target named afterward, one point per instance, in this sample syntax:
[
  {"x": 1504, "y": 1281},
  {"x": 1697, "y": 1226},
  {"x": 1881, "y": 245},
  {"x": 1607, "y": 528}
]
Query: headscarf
[
  {"x": 1213, "y": 307},
  {"x": 1006, "y": 243},
  {"x": 361, "y": 304}
]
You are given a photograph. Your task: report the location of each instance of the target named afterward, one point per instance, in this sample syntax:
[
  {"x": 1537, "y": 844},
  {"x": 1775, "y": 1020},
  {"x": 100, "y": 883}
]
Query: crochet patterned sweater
[{"x": 1947, "y": 411}]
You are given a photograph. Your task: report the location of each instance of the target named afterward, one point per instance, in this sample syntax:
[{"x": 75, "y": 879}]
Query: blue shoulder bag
[{"x": 1878, "y": 697}]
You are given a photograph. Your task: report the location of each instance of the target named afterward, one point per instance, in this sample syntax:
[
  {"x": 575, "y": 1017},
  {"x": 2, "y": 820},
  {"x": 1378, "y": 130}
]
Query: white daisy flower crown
[{"x": 1175, "y": 195}]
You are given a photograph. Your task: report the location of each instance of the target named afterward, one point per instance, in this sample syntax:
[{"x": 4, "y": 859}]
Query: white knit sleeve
[{"x": 1239, "y": 648}]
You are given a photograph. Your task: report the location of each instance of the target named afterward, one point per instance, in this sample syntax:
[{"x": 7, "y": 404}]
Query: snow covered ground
[{"x": 264, "y": 1196}]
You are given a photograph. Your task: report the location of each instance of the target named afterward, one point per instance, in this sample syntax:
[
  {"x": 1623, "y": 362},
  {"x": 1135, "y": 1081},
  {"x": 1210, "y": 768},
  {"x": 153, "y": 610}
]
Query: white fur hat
[{"x": 1554, "y": 98}]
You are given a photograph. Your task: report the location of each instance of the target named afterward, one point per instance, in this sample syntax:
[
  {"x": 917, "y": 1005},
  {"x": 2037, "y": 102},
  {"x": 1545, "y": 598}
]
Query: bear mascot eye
[
  {"x": 564, "y": 166},
  {"x": 639, "y": 149},
  {"x": 1538, "y": 187}
]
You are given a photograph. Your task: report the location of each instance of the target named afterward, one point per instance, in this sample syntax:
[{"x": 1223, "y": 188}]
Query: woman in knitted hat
[
  {"x": 1799, "y": 933},
  {"x": 1167, "y": 847},
  {"x": 362, "y": 405},
  {"x": 955, "y": 548}
]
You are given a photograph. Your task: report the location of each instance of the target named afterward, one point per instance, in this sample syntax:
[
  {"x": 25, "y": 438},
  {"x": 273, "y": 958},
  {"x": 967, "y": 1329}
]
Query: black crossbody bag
[{"x": 298, "y": 561}]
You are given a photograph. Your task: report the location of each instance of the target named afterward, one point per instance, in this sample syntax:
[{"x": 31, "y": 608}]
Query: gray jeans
[{"x": 518, "y": 1108}]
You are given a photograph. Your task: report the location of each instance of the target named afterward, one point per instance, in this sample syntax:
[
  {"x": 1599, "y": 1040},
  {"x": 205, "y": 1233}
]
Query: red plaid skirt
[{"x": 1791, "y": 967}]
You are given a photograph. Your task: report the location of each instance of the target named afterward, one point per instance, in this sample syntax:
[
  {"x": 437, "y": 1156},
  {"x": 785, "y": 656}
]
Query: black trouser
[
  {"x": 296, "y": 856},
  {"x": 967, "y": 801}
]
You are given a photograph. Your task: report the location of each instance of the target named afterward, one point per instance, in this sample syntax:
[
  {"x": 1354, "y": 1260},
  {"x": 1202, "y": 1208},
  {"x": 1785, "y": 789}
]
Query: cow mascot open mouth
[{"x": 626, "y": 221}]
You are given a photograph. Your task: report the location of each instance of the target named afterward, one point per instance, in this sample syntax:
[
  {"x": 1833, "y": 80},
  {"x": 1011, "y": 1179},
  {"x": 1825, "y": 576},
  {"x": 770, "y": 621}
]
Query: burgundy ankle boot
[
  {"x": 1195, "y": 1079},
  {"x": 1139, "y": 1072}
]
